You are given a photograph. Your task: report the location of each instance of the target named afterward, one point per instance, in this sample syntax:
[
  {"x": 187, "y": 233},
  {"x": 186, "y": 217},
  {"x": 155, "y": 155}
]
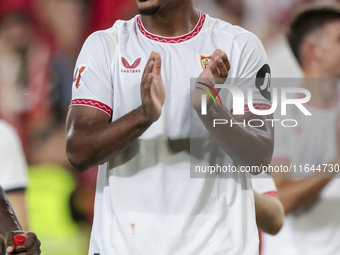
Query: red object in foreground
[{"x": 19, "y": 239}]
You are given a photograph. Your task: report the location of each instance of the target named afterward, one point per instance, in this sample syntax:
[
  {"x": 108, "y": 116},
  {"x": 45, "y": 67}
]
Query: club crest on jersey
[
  {"x": 77, "y": 76},
  {"x": 205, "y": 61},
  {"x": 131, "y": 68}
]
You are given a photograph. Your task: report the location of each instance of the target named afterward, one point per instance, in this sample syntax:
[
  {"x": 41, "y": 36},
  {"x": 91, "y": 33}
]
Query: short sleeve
[
  {"x": 264, "y": 186},
  {"x": 250, "y": 69},
  {"x": 93, "y": 82},
  {"x": 13, "y": 173}
]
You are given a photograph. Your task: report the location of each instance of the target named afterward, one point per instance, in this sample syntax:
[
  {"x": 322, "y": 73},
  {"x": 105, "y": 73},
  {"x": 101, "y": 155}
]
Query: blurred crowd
[{"x": 39, "y": 44}]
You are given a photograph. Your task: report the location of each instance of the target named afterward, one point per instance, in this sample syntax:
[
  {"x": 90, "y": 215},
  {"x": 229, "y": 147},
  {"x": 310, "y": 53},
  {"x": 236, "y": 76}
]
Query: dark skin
[
  {"x": 261, "y": 139},
  {"x": 10, "y": 227},
  {"x": 90, "y": 126},
  {"x": 93, "y": 140}
]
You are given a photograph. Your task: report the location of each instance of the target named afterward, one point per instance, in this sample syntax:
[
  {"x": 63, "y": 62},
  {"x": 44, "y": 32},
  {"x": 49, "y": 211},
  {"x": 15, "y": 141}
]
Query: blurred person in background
[
  {"x": 63, "y": 24},
  {"x": 232, "y": 11},
  {"x": 24, "y": 59},
  {"x": 66, "y": 23},
  {"x": 312, "y": 203},
  {"x": 13, "y": 172},
  {"x": 36, "y": 56},
  {"x": 269, "y": 23},
  {"x": 283, "y": 62},
  {"x": 13, "y": 181},
  {"x": 39, "y": 43}
]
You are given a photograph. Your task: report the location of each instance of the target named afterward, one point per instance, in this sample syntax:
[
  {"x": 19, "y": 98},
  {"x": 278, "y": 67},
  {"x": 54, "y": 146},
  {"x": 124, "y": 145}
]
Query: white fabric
[
  {"x": 13, "y": 172},
  {"x": 263, "y": 185},
  {"x": 146, "y": 202}
]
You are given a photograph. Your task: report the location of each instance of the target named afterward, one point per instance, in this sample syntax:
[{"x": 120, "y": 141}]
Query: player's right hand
[
  {"x": 152, "y": 88},
  {"x": 31, "y": 246}
]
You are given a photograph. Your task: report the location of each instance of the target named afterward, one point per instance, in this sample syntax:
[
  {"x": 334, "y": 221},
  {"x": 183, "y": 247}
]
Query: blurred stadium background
[{"x": 39, "y": 44}]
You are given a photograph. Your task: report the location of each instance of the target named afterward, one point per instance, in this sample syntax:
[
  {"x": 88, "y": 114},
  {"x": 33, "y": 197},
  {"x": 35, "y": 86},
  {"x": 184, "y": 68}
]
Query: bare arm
[
  {"x": 296, "y": 193},
  {"x": 18, "y": 202},
  {"x": 247, "y": 146},
  {"x": 93, "y": 140},
  {"x": 8, "y": 219},
  {"x": 269, "y": 213}
]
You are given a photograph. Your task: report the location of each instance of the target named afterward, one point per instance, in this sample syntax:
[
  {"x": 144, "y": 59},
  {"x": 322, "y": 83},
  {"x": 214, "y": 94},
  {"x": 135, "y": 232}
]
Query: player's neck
[
  {"x": 172, "y": 21},
  {"x": 323, "y": 91}
]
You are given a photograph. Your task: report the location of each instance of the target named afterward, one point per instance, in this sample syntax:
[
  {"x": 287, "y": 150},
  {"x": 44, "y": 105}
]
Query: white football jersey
[
  {"x": 315, "y": 228},
  {"x": 13, "y": 173},
  {"x": 146, "y": 203}
]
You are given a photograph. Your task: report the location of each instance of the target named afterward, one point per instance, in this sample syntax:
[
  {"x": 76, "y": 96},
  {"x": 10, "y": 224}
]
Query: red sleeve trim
[
  {"x": 93, "y": 103},
  {"x": 256, "y": 106},
  {"x": 270, "y": 194}
]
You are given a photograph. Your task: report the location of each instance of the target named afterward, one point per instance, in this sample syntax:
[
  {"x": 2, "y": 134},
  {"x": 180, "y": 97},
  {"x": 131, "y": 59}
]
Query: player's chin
[{"x": 148, "y": 7}]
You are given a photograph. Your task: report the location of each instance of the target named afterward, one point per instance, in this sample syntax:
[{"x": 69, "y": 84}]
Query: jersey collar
[{"x": 177, "y": 39}]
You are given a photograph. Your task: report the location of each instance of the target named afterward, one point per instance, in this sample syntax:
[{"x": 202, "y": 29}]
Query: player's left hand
[
  {"x": 216, "y": 73},
  {"x": 31, "y": 246},
  {"x": 218, "y": 68}
]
